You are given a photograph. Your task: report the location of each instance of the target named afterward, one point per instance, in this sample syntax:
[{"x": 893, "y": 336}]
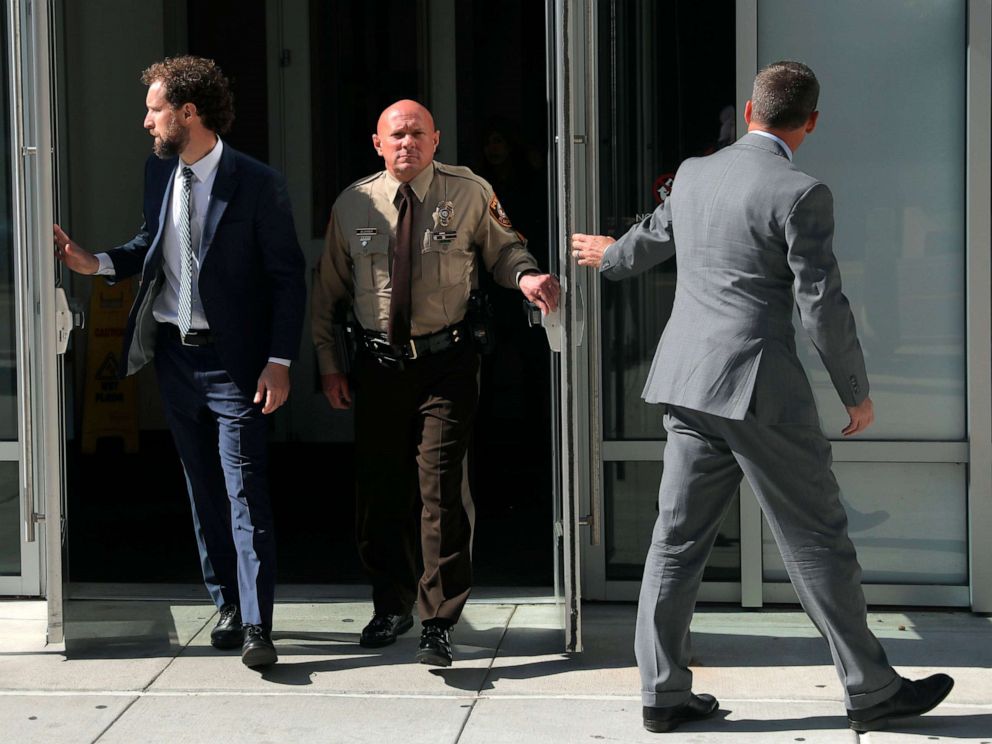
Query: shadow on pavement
[
  {"x": 133, "y": 629},
  {"x": 972, "y": 727}
]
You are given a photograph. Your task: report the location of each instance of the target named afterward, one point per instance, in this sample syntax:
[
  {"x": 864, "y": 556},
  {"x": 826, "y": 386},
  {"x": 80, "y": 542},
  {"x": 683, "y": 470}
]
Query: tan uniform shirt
[{"x": 457, "y": 217}]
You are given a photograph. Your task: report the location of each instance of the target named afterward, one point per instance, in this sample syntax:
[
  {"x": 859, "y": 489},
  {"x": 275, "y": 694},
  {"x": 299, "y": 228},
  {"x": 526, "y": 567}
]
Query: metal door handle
[
  {"x": 551, "y": 323},
  {"x": 68, "y": 316},
  {"x": 580, "y": 315}
]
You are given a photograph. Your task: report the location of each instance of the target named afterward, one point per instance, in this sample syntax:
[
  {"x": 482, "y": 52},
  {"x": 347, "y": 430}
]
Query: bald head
[
  {"x": 405, "y": 138},
  {"x": 405, "y": 110}
]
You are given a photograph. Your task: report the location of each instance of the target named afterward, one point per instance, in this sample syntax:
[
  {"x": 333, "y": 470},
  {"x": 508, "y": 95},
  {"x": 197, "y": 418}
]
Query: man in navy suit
[{"x": 220, "y": 310}]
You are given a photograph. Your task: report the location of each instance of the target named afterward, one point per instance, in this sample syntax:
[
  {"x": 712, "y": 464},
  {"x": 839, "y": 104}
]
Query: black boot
[
  {"x": 435, "y": 644},
  {"x": 383, "y": 629}
]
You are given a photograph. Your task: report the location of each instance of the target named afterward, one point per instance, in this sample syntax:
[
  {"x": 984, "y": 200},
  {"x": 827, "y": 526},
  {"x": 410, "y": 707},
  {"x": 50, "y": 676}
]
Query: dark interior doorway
[{"x": 128, "y": 514}]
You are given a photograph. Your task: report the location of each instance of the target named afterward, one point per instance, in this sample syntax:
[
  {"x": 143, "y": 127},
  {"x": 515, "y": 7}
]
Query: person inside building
[{"x": 403, "y": 250}]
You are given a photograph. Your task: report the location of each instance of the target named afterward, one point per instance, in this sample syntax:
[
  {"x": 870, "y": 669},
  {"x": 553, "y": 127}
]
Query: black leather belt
[
  {"x": 193, "y": 338},
  {"x": 419, "y": 346}
]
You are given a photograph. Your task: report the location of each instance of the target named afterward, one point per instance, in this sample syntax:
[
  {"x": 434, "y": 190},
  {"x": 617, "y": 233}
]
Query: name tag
[
  {"x": 365, "y": 234},
  {"x": 444, "y": 236}
]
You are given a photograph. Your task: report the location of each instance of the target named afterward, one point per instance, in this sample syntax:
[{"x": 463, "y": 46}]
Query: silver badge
[{"x": 445, "y": 212}]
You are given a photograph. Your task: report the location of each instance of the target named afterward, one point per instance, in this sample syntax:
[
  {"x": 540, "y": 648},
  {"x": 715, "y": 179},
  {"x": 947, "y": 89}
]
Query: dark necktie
[{"x": 399, "y": 301}]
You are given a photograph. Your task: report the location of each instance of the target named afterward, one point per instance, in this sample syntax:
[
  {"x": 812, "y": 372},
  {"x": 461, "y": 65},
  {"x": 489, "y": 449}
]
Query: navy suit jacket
[{"x": 251, "y": 280}]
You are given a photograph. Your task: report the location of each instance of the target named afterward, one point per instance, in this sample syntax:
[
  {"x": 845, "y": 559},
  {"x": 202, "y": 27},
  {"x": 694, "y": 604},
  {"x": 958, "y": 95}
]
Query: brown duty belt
[{"x": 419, "y": 346}]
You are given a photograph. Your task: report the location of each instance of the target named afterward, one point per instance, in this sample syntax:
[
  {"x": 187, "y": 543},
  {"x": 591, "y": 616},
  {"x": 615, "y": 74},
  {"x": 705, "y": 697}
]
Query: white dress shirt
[
  {"x": 166, "y": 307},
  {"x": 769, "y": 135}
]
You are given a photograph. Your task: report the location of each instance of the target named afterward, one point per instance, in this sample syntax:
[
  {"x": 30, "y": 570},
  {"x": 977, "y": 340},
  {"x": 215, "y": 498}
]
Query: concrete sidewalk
[{"x": 160, "y": 681}]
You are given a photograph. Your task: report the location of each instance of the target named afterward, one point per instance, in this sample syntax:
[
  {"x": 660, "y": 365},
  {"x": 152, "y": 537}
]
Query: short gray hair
[{"x": 785, "y": 94}]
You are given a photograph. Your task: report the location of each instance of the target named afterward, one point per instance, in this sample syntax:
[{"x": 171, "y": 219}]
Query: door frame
[
  {"x": 40, "y": 323},
  {"x": 28, "y": 581},
  {"x": 567, "y": 74},
  {"x": 288, "y": 52}
]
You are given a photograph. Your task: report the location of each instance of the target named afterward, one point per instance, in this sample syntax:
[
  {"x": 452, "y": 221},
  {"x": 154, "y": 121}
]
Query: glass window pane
[
  {"x": 8, "y": 340},
  {"x": 890, "y": 143},
  {"x": 634, "y": 316},
  {"x": 631, "y": 498},
  {"x": 10, "y": 520},
  {"x": 909, "y": 522}
]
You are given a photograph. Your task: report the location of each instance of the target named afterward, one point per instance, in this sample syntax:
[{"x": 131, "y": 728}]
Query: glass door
[
  {"x": 664, "y": 80},
  {"x": 20, "y": 555},
  {"x": 32, "y": 343},
  {"x": 566, "y": 34}
]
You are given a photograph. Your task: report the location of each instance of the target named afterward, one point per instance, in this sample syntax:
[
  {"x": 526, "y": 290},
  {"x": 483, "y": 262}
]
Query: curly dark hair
[{"x": 199, "y": 81}]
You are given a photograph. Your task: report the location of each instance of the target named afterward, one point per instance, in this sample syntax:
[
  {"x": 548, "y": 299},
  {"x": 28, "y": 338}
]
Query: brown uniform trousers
[{"x": 412, "y": 428}]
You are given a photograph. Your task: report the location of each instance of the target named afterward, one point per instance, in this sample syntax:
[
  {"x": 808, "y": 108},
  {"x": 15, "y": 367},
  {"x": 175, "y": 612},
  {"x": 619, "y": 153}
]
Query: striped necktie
[{"x": 186, "y": 255}]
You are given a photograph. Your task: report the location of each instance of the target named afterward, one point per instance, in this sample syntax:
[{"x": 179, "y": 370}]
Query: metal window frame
[
  {"x": 976, "y": 452},
  {"x": 778, "y": 593},
  {"x": 978, "y": 237}
]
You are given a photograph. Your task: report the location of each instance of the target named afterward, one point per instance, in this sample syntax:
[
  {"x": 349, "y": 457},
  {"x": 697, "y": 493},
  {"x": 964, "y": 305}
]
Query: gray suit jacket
[{"x": 754, "y": 236}]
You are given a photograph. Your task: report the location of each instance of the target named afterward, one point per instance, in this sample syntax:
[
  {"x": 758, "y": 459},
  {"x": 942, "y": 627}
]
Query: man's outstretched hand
[
  {"x": 589, "y": 249},
  {"x": 72, "y": 255}
]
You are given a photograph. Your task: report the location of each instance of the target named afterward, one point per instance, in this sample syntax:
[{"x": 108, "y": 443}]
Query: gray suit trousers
[{"x": 788, "y": 467}]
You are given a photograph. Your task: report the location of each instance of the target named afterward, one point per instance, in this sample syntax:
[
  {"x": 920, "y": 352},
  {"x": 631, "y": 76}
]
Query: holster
[
  {"x": 349, "y": 340},
  {"x": 479, "y": 318}
]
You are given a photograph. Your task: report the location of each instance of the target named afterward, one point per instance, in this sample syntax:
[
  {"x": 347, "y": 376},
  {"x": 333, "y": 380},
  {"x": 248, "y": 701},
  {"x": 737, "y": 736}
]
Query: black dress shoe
[
  {"x": 657, "y": 720},
  {"x": 228, "y": 632},
  {"x": 257, "y": 650},
  {"x": 914, "y": 698},
  {"x": 435, "y": 645},
  {"x": 383, "y": 629}
]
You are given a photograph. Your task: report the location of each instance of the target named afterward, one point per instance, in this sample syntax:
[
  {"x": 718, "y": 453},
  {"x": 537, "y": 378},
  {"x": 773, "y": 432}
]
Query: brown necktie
[{"x": 399, "y": 302}]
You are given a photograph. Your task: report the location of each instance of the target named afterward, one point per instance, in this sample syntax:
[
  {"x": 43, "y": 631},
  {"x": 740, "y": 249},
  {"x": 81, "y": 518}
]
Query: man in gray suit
[{"x": 753, "y": 232}]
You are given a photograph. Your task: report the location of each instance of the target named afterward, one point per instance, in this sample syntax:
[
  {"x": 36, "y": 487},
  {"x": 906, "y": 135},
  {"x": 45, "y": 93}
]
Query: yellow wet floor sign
[{"x": 110, "y": 404}]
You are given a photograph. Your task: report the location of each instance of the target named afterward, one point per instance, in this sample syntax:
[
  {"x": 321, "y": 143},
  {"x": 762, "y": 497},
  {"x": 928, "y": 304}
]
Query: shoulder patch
[{"x": 498, "y": 213}]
